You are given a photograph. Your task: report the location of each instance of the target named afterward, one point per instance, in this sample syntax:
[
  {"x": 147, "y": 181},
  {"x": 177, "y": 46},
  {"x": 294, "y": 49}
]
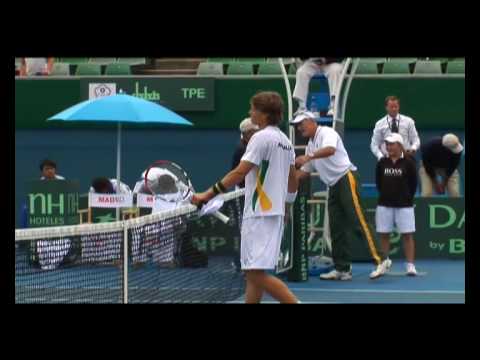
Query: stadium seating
[
  {"x": 132, "y": 61},
  {"x": 394, "y": 67},
  {"x": 88, "y": 69},
  {"x": 374, "y": 60},
  {"x": 210, "y": 68},
  {"x": 221, "y": 60},
  {"x": 60, "y": 69},
  {"x": 441, "y": 59},
  {"x": 289, "y": 60},
  {"x": 367, "y": 67},
  {"x": 118, "y": 69},
  {"x": 269, "y": 69},
  {"x": 456, "y": 67},
  {"x": 254, "y": 61},
  {"x": 428, "y": 67},
  {"x": 403, "y": 60},
  {"x": 103, "y": 61},
  {"x": 240, "y": 68},
  {"x": 74, "y": 61}
]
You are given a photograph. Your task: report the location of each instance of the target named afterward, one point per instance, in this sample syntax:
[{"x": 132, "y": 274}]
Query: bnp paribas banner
[{"x": 440, "y": 230}]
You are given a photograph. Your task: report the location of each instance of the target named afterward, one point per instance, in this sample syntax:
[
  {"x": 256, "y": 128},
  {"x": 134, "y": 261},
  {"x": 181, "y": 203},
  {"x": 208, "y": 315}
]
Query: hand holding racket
[{"x": 169, "y": 183}]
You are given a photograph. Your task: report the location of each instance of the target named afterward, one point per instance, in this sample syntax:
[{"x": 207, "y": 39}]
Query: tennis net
[{"x": 171, "y": 256}]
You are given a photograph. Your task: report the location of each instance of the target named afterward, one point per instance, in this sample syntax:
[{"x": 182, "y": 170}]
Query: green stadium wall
[{"x": 434, "y": 102}]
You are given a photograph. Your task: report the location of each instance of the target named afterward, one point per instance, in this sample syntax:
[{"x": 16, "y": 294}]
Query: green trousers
[{"x": 347, "y": 220}]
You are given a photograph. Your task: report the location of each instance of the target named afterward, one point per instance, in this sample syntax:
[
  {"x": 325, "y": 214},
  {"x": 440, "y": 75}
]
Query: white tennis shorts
[
  {"x": 387, "y": 218},
  {"x": 261, "y": 238}
]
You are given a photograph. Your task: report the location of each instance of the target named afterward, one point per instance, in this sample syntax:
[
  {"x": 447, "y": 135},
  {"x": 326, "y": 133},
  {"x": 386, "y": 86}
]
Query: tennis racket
[{"x": 169, "y": 182}]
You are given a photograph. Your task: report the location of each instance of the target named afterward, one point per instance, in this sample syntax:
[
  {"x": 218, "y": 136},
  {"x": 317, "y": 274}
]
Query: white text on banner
[{"x": 110, "y": 200}]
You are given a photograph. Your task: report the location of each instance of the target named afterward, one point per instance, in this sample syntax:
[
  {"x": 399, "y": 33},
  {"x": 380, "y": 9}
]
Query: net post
[
  {"x": 125, "y": 264},
  {"x": 299, "y": 271},
  {"x": 119, "y": 149}
]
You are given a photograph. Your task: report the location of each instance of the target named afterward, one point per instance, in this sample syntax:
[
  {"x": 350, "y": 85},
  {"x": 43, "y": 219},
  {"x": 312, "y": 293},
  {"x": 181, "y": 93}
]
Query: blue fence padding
[
  {"x": 369, "y": 190},
  {"x": 23, "y": 216}
]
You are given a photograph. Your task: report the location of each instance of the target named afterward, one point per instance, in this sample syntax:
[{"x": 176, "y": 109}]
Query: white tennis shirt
[
  {"x": 266, "y": 185},
  {"x": 332, "y": 168}
]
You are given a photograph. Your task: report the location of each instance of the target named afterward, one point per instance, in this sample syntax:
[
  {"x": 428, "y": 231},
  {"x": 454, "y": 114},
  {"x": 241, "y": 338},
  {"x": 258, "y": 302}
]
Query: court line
[
  {"x": 276, "y": 302},
  {"x": 382, "y": 291}
]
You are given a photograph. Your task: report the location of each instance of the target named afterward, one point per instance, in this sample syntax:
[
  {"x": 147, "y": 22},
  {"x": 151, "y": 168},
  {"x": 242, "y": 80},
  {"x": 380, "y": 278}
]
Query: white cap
[
  {"x": 451, "y": 142},
  {"x": 302, "y": 116},
  {"x": 247, "y": 125},
  {"x": 393, "y": 138}
]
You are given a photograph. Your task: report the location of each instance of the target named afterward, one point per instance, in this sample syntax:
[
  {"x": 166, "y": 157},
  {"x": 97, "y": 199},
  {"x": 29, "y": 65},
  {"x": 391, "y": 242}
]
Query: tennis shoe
[
  {"x": 337, "y": 275},
  {"x": 381, "y": 269},
  {"x": 411, "y": 271}
]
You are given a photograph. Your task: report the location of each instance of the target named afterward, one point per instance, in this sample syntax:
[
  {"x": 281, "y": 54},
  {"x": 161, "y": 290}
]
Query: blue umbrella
[{"x": 120, "y": 109}]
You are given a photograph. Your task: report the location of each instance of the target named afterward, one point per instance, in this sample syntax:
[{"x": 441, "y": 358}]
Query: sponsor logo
[
  {"x": 101, "y": 90},
  {"x": 393, "y": 172},
  {"x": 284, "y": 147}
]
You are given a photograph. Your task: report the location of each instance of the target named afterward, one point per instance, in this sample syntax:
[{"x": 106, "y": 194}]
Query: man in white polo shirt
[
  {"x": 326, "y": 155},
  {"x": 392, "y": 123}
]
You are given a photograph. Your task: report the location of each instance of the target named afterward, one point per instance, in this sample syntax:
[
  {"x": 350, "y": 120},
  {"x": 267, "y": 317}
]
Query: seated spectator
[
  {"x": 36, "y": 66},
  {"x": 331, "y": 67},
  {"x": 103, "y": 185},
  {"x": 49, "y": 170},
  {"x": 438, "y": 170}
]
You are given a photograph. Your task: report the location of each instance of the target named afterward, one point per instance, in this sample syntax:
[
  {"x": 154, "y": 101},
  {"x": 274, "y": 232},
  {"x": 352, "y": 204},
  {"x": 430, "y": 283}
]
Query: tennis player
[
  {"x": 140, "y": 186},
  {"x": 268, "y": 167},
  {"x": 162, "y": 244}
]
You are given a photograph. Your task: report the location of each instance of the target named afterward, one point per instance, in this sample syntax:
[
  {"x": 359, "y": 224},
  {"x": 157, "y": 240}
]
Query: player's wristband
[
  {"x": 291, "y": 197},
  {"x": 220, "y": 186}
]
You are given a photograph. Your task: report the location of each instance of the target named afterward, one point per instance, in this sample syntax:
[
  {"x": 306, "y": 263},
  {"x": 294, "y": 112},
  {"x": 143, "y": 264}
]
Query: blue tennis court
[{"x": 444, "y": 282}]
